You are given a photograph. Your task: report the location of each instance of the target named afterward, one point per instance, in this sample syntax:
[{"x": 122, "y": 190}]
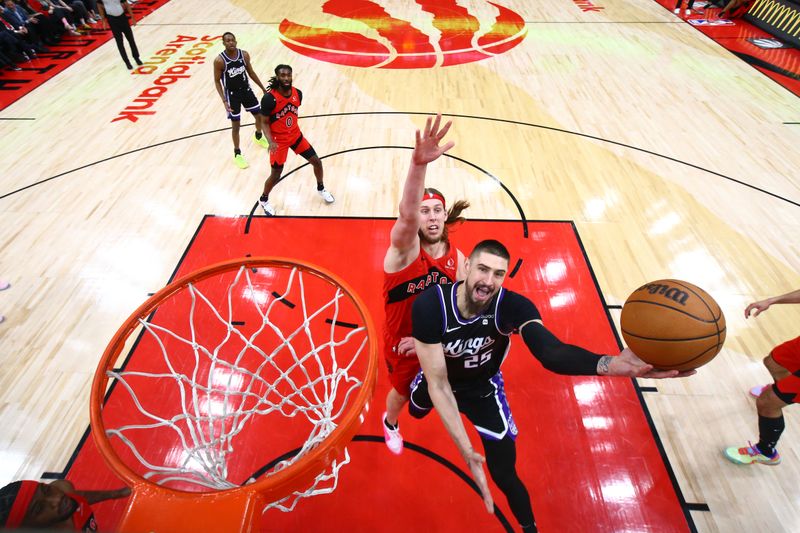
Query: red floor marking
[
  {"x": 734, "y": 38},
  {"x": 412, "y": 48},
  {"x": 585, "y": 450},
  {"x": 15, "y": 85}
]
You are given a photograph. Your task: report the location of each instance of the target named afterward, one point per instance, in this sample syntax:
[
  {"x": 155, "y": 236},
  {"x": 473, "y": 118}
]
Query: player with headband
[{"x": 419, "y": 255}]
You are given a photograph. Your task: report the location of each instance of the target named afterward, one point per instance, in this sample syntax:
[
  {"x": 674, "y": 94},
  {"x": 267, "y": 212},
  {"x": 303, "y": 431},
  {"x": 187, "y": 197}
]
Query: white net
[{"x": 236, "y": 381}]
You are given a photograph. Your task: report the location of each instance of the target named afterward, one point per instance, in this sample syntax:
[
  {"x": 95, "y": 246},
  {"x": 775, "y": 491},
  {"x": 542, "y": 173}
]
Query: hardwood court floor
[{"x": 672, "y": 157}]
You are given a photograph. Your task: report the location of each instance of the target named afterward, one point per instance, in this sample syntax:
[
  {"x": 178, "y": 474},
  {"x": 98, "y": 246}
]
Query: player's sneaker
[
  {"x": 751, "y": 454},
  {"x": 328, "y": 197},
  {"x": 262, "y": 142},
  {"x": 756, "y": 391},
  {"x": 393, "y": 438},
  {"x": 267, "y": 207},
  {"x": 240, "y": 161}
]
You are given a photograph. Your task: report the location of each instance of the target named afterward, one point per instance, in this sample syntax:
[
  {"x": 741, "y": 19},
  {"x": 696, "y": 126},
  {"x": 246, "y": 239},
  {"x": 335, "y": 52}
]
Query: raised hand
[{"x": 427, "y": 147}]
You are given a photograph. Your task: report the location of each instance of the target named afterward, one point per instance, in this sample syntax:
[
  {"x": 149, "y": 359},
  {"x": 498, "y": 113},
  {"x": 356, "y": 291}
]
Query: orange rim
[{"x": 277, "y": 485}]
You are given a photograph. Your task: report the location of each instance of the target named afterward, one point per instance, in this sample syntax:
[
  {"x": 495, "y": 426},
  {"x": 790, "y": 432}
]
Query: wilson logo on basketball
[
  {"x": 676, "y": 295},
  {"x": 365, "y": 33}
]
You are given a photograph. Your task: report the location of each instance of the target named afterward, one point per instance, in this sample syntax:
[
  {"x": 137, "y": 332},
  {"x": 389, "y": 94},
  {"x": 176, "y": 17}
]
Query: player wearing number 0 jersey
[
  {"x": 280, "y": 104},
  {"x": 461, "y": 336}
]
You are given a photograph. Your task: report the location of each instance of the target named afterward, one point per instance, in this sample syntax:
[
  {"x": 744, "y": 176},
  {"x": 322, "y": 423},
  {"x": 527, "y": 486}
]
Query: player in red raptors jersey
[
  {"x": 279, "y": 105},
  {"x": 419, "y": 255},
  {"x": 57, "y": 505}
]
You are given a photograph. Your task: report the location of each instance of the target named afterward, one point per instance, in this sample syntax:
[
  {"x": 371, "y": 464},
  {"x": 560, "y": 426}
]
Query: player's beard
[
  {"x": 475, "y": 306},
  {"x": 427, "y": 240}
]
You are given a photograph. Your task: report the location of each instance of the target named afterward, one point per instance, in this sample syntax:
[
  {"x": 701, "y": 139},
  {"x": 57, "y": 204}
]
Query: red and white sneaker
[{"x": 393, "y": 438}]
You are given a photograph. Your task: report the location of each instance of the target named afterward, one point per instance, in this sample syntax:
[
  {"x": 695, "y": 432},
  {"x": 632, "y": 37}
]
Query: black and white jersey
[
  {"x": 474, "y": 348},
  {"x": 234, "y": 75}
]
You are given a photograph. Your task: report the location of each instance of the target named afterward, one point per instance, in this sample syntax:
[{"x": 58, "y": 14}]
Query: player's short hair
[
  {"x": 281, "y": 67},
  {"x": 491, "y": 246},
  {"x": 228, "y": 33}
]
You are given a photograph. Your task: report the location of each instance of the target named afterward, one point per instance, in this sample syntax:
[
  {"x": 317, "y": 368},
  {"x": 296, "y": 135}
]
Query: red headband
[
  {"x": 434, "y": 196},
  {"x": 21, "y": 503}
]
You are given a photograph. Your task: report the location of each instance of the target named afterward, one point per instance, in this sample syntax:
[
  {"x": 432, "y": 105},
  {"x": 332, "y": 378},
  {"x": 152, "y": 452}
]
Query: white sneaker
[
  {"x": 328, "y": 197},
  {"x": 393, "y": 438},
  {"x": 4, "y": 285},
  {"x": 267, "y": 207}
]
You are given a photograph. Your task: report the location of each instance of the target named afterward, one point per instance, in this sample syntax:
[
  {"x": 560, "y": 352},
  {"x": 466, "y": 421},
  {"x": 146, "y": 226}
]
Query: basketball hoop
[{"x": 244, "y": 381}]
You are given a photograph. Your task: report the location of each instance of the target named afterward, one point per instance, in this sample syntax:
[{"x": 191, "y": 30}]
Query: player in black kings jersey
[
  {"x": 231, "y": 70},
  {"x": 462, "y": 334}
]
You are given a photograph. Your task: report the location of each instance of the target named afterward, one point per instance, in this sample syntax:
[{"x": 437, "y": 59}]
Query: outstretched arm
[
  {"x": 431, "y": 359},
  {"x": 756, "y": 308},
  {"x": 404, "y": 237},
  {"x": 568, "y": 359}
]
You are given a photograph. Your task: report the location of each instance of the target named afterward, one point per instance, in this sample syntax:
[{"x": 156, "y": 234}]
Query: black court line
[
  {"x": 645, "y": 410},
  {"x": 614, "y": 306},
  {"x": 466, "y": 478},
  {"x": 490, "y": 119},
  {"x": 284, "y": 301},
  {"x": 89, "y": 165},
  {"x": 341, "y": 324},
  {"x": 383, "y": 147},
  {"x": 648, "y": 389},
  {"x": 698, "y": 507},
  {"x": 5, "y": 118},
  {"x": 792, "y": 123},
  {"x": 766, "y": 65}
]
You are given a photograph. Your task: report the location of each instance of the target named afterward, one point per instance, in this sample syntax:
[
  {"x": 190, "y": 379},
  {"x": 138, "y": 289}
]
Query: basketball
[{"x": 673, "y": 325}]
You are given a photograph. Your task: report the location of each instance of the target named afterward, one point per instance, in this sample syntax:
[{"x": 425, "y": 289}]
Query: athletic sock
[
  {"x": 258, "y": 135},
  {"x": 769, "y": 431},
  {"x": 320, "y": 186},
  {"x": 388, "y": 425},
  {"x": 236, "y": 151},
  {"x": 264, "y": 198}
]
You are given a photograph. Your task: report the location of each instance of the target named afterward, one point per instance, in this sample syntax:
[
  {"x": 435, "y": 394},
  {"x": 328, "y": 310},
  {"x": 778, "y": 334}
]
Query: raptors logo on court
[{"x": 378, "y": 35}]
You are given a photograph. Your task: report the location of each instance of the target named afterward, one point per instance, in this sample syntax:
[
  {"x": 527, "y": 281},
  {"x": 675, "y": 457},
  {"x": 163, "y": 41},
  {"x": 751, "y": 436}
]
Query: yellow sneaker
[
  {"x": 240, "y": 161},
  {"x": 262, "y": 142},
  {"x": 751, "y": 454}
]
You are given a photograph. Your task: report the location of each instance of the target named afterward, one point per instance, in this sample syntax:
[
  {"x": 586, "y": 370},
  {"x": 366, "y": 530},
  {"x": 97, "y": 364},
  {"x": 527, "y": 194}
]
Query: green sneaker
[
  {"x": 751, "y": 454},
  {"x": 240, "y": 161},
  {"x": 262, "y": 142}
]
